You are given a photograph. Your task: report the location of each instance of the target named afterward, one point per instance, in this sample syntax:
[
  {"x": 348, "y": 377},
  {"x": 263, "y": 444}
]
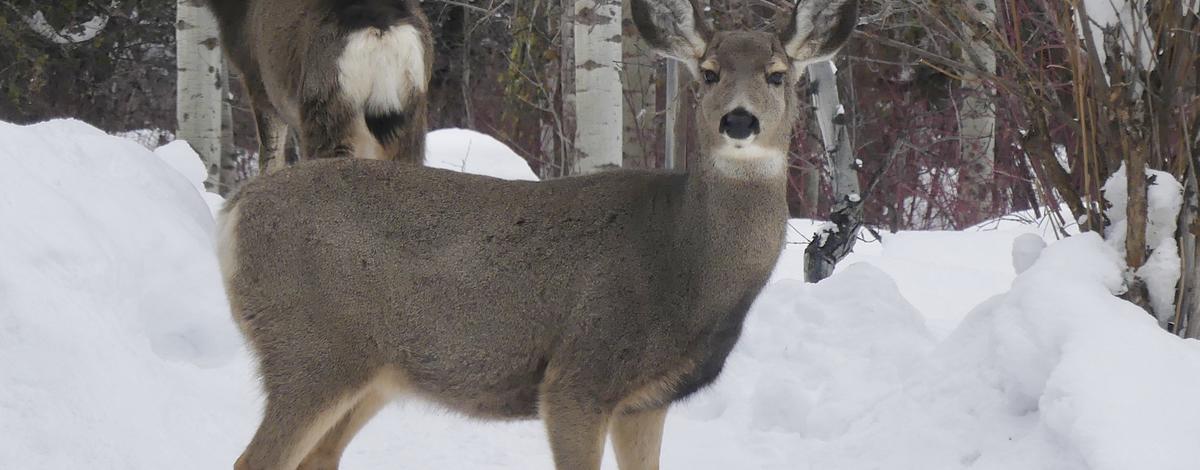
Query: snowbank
[
  {"x": 925, "y": 351},
  {"x": 113, "y": 326},
  {"x": 471, "y": 152},
  {"x": 1056, "y": 374}
]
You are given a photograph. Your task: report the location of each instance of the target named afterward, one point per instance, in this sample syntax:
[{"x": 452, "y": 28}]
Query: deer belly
[{"x": 482, "y": 389}]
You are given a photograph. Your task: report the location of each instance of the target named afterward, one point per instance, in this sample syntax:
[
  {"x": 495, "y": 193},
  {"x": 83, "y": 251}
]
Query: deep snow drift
[{"x": 925, "y": 351}]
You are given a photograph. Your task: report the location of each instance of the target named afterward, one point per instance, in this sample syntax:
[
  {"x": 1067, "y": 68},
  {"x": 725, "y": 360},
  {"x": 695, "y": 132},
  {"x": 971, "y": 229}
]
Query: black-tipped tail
[{"x": 388, "y": 126}]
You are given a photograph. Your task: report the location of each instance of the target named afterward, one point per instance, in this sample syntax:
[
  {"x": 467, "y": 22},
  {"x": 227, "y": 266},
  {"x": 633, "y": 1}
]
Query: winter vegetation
[{"x": 992, "y": 262}]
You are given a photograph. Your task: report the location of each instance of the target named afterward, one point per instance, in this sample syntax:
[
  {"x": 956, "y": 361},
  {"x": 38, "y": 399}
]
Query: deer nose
[{"x": 739, "y": 124}]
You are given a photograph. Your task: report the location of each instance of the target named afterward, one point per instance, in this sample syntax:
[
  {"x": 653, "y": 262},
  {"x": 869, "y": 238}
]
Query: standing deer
[
  {"x": 349, "y": 75},
  {"x": 593, "y": 302}
]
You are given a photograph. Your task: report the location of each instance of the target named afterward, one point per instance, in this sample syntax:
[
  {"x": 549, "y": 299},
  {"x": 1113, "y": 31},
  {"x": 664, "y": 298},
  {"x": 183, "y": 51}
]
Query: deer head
[{"x": 747, "y": 105}]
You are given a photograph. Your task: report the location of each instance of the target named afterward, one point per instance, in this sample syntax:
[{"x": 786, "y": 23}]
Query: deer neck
[
  {"x": 735, "y": 219},
  {"x": 739, "y": 186}
]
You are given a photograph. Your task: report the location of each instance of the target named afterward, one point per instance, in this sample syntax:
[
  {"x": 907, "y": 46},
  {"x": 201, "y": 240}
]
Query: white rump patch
[
  {"x": 748, "y": 160},
  {"x": 379, "y": 69}
]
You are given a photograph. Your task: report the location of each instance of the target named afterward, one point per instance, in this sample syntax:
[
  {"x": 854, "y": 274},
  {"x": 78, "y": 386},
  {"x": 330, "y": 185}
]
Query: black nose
[{"x": 739, "y": 124}]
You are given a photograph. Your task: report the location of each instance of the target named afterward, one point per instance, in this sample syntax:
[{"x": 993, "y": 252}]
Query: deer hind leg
[
  {"x": 576, "y": 428},
  {"x": 404, "y": 140},
  {"x": 272, "y": 130},
  {"x": 291, "y": 426},
  {"x": 365, "y": 145},
  {"x": 637, "y": 438},
  {"x": 272, "y": 137},
  {"x": 328, "y": 452},
  {"x": 329, "y": 128}
]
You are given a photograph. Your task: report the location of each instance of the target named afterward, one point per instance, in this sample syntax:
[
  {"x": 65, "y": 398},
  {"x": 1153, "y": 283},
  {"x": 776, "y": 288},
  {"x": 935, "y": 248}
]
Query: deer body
[
  {"x": 591, "y": 302},
  {"x": 350, "y": 76},
  {"x": 485, "y": 297}
]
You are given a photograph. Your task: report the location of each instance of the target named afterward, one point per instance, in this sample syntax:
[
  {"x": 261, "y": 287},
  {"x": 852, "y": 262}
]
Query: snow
[
  {"x": 1025, "y": 252},
  {"x": 114, "y": 335},
  {"x": 472, "y": 152},
  {"x": 1135, "y": 32},
  {"x": 926, "y": 350},
  {"x": 1164, "y": 198},
  {"x": 180, "y": 156}
]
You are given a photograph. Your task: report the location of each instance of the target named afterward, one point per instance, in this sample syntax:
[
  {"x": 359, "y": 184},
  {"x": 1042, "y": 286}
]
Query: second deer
[
  {"x": 592, "y": 302},
  {"x": 350, "y": 76}
]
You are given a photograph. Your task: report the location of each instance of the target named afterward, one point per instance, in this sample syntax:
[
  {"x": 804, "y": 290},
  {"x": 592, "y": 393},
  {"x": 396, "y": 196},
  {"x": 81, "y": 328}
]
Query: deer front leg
[
  {"x": 272, "y": 139},
  {"x": 637, "y": 438},
  {"x": 576, "y": 427}
]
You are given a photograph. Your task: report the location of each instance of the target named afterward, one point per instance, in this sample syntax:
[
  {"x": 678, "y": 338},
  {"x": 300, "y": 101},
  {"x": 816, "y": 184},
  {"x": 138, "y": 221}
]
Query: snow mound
[
  {"x": 472, "y": 152},
  {"x": 109, "y": 313},
  {"x": 1056, "y": 374},
  {"x": 1026, "y": 250},
  {"x": 184, "y": 159}
]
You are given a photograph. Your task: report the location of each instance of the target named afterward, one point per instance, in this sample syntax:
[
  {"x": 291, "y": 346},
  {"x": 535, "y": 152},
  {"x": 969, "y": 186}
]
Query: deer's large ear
[
  {"x": 674, "y": 28},
  {"x": 819, "y": 28}
]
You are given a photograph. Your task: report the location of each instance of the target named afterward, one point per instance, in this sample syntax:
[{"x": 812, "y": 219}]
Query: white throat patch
[
  {"x": 379, "y": 70},
  {"x": 748, "y": 160}
]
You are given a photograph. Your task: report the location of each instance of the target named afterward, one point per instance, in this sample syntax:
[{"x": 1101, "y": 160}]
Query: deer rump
[{"x": 350, "y": 76}]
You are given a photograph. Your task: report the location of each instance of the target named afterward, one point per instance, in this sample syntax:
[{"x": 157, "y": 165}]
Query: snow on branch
[{"x": 74, "y": 34}]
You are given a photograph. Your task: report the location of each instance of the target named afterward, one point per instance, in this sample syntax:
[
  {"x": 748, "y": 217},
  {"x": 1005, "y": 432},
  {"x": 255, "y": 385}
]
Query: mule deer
[
  {"x": 350, "y": 76},
  {"x": 593, "y": 302}
]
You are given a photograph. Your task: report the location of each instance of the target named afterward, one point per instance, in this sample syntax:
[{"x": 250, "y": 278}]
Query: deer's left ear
[
  {"x": 674, "y": 28},
  {"x": 819, "y": 28}
]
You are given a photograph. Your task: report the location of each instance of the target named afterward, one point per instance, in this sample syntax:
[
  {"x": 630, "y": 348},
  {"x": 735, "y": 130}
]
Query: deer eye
[
  {"x": 711, "y": 77},
  {"x": 775, "y": 78}
]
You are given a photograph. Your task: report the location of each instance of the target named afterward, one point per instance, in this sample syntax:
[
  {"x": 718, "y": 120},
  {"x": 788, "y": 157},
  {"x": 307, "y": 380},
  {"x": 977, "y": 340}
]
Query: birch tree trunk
[
  {"x": 598, "y": 85},
  {"x": 837, "y": 238},
  {"x": 198, "y": 87},
  {"x": 977, "y": 117},
  {"x": 640, "y": 94}
]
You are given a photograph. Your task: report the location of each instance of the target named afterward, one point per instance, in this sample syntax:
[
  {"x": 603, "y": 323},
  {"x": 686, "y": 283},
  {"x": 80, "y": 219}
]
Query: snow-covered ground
[{"x": 924, "y": 351}]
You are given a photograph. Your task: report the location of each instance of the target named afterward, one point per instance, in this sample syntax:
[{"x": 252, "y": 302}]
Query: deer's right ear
[
  {"x": 819, "y": 28},
  {"x": 674, "y": 28}
]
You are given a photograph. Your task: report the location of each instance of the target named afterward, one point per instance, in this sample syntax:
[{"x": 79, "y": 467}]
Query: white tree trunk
[
  {"x": 836, "y": 239},
  {"x": 198, "y": 89},
  {"x": 598, "y": 84},
  {"x": 830, "y": 117},
  {"x": 977, "y": 117}
]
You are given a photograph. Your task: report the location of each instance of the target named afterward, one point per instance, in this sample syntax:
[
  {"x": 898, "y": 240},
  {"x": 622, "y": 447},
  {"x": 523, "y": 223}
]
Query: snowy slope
[{"x": 925, "y": 351}]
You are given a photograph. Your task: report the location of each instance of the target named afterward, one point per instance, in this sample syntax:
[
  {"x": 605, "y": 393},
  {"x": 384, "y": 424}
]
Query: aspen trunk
[
  {"x": 198, "y": 87},
  {"x": 598, "y": 85},
  {"x": 977, "y": 116}
]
